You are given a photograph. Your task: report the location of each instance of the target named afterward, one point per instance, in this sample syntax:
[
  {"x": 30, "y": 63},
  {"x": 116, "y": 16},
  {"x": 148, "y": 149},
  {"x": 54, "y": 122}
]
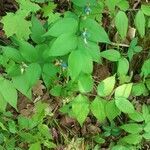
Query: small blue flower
[{"x": 87, "y": 10}]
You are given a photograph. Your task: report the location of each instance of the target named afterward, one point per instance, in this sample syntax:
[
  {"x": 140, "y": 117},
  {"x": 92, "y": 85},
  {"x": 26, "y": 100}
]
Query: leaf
[
  {"x": 121, "y": 22},
  {"x": 56, "y": 90},
  {"x": 12, "y": 126},
  {"x": 20, "y": 83},
  {"x": 132, "y": 128},
  {"x": 28, "y": 51},
  {"x": 140, "y": 23},
  {"x": 37, "y": 30},
  {"x": 13, "y": 54},
  {"x": 27, "y": 6},
  {"x": 45, "y": 131},
  {"x": 49, "y": 76},
  {"x": 148, "y": 84},
  {"x": 123, "y": 90},
  {"x": 63, "y": 26},
  {"x": 60, "y": 48},
  {"x": 147, "y": 127},
  {"x": 111, "y": 54},
  {"x": 85, "y": 83},
  {"x": 111, "y": 110},
  {"x": 3, "y": 104},
  {"x": 80, "y": 108},
  {"x": 16, "y": 24},
  {"x": 146, "y": 9},
  {"x": 119, "y": 147},
  {"x": 86, "y": 59},
  {"x": 123, "y": 66},
  {"x": 132, "y": 139},
  {"x": 124, "y": 105},
  {"x": 145, "y": 71},
  {"x": 136, "y": 116},
  {"x": 123, "y": 5},
  {"x": 139, "y": 89},
  {"x": 35, "y": 146},
  {"x": 8, "y": 92},
  {"x": 83, "y": 2},
  {"x": 106, "y": 86},
  {"x": 33, "y": 73},
  {"x": 98, "y": 109},
  {"x": 146, "y": 136},
  {"x": 95, "y": 32},
  {"x": 75, "y": 63}
]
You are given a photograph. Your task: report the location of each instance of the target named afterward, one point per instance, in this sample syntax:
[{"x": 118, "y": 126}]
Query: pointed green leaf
[
  {"x": 8, "y": 92},
  {"x": 85, "y": 83},
  {"x": 98, "y": 109},
  {"x": 80, "y": 108},
  {"x": 132, "y": 128},
  {"x": 111, "y": 54},
  {"x": 106, "y": 86},
  {"x": 124, "y": 105},
  {"x": 63, "y": 26},
  {"x": 140, "y": 23},
  {"x": 123, "y": 90},
  {"x": 121, "y": 22},
  {"x": 64, "y": 44}
]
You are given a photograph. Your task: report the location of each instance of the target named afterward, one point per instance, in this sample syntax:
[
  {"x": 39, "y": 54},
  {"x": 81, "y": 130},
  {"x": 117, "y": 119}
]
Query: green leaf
[
  {"x": 3, "y": 104},
  {"x": 80, "y": 108},
  {"x": 83, "y": 2},
  {"x": 111, "y": 54},
  {"x": 146, "y": 136},
  {"x": 136, "y": 116},
  {"x": 147, "y": 127},
  {"x": 45, "y": 131},
  {"x": 13, "y": 54},
  {"x": 95, "y": 32},
  {"x": 75, "y": 63},
  {"x": 56, "y": 90},
  {"x": 8, "y": 92},
  {"x": 63, "y": 26},
  {"x": 28, "y": 51},
  {"x": 3, "y": 127},
  {"x": 139, "y": 89},
  {"x": 148, "y": 84},
  {"x": 85, "y": 83},
  {"x": 20, "y": 83},
  {"x": 121, "y": 22},
  {"x": 12, "y": 126},
  {"x": 111, "y": 110},
  {"x": 106, "y": 86},
  {"x": 146, "y": 113},
  {"x": 140, "y": 23},
  {"x": 33, "y": 73},
  {"x": 37, "y": 30},
  {"x": 123, "y": 66},
  {"x": 98, "y": 109},
  {"x": 132, "y": 139},
  {"x": 146, "y": 9},
  {"x": 123, "y": 5},
  {"x": 16, "y": 24},
  {"x": 145, "y": 71},
  {"x": 119, "y": 147},
  {"x": 27, "y": 6},
  {"x": 124, "y": 105},
  {"x": 60, "y": 48},
  {"x": 123, "y": 90},
  {"x": 132, "y": 128},
  {"x": 86, "y": 59},
  {"x": 49, "y": 76},
  {"x": 35, "y": 146}
]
